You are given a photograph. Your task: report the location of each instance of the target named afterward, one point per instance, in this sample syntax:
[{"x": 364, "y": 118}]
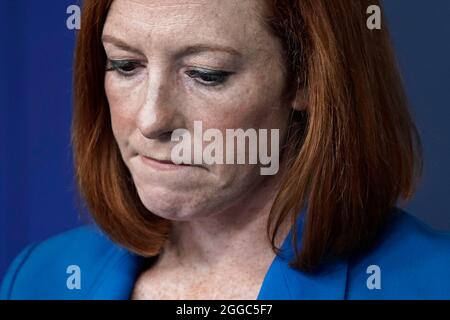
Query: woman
[{"x": 324, "y": 225}]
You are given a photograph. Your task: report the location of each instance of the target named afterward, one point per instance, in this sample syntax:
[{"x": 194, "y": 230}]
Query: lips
[
  {"x": 163, "y": 164},
  {"x": 165, "y": 161},
  {"x": 160, "y": 160}
]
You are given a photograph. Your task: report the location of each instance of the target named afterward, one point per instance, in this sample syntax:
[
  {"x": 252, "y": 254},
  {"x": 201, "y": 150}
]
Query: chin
[
  {"x": 173, "y": 213},
  {"x": 171, "y": 205}
]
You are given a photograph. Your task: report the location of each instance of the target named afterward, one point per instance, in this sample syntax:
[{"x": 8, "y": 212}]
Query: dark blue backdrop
[{"x": 37, "y": 196}]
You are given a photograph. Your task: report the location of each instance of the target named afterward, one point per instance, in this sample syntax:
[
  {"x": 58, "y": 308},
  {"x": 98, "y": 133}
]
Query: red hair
[{"x": 355, "y": 153}]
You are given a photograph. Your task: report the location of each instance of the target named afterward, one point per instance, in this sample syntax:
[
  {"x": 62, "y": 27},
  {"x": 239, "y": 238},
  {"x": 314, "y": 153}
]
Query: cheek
[
  {"x": 252, "y": 107},
  {"x": 256, "y": 102},
  {"x": 123, "y": 105}
]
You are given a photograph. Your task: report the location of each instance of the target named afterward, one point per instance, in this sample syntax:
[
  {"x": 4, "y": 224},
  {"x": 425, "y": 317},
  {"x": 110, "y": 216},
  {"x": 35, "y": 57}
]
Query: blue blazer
[{"x": 408, "y": 261}]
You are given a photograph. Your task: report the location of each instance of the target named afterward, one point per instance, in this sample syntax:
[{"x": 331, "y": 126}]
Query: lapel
[
  {"x": 285, "y": 283},
  {"x": 116, "y": 277}
]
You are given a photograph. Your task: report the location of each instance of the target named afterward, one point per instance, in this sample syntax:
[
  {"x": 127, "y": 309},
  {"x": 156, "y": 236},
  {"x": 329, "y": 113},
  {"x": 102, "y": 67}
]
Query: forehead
[{"x": 181, "y": 21}]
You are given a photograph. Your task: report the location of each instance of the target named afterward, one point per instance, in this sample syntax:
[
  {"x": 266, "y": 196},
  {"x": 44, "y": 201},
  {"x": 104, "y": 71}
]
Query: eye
[
  {"x": 209, "y": 77},
  {"x": 125, "y": 68}
]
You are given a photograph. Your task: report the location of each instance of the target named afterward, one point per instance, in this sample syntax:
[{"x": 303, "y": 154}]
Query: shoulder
[
  {"x": 41, "y": 269},
  {"x": 409, "y": 260}
]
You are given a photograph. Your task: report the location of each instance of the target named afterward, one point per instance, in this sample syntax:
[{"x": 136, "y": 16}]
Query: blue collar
[
  {"x": 285, "y": 283},
  {"x": 117, "y": 276}
]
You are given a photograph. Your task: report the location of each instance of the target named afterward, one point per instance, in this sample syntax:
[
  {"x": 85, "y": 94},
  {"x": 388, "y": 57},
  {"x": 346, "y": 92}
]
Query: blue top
[{"x": 408, "y": 261}]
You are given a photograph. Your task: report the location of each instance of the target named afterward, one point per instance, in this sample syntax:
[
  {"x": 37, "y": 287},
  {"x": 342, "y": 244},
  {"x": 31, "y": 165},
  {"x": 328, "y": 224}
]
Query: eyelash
[
  {"x": 204, "y": 76},
  {"x": 209, "y": 78},
  {"x": 120, "y": 67}
]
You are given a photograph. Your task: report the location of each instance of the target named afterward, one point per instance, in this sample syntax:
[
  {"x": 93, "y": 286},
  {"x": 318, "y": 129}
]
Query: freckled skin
[{"x": 220, "y": 210}]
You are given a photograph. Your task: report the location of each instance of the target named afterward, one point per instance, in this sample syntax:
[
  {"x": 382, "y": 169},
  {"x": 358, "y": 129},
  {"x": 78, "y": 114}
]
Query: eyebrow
[
  {"x": 199, "y": 48},
  {"x": 187, "y": 51},
  {"x": 120, "y": 44}
]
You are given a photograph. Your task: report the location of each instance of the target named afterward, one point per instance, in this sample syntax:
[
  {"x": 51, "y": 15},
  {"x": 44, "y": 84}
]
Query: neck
[{"x": 235, "y": 238}]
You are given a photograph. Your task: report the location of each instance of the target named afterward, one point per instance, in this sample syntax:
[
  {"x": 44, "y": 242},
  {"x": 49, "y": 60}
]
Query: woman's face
[{"x": 171, "y": 63}]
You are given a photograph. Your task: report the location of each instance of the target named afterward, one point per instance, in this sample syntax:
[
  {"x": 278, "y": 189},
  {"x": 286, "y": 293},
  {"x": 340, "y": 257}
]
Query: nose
[{"x": 159, "y": 114}]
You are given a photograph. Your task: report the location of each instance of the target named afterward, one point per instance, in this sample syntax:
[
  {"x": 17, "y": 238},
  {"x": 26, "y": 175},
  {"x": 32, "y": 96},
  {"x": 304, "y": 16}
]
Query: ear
[{"x": 300, "y": 101}]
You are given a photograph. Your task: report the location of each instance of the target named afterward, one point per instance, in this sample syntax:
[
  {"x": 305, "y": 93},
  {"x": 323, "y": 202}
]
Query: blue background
[{"x": 37, "y": 192}]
